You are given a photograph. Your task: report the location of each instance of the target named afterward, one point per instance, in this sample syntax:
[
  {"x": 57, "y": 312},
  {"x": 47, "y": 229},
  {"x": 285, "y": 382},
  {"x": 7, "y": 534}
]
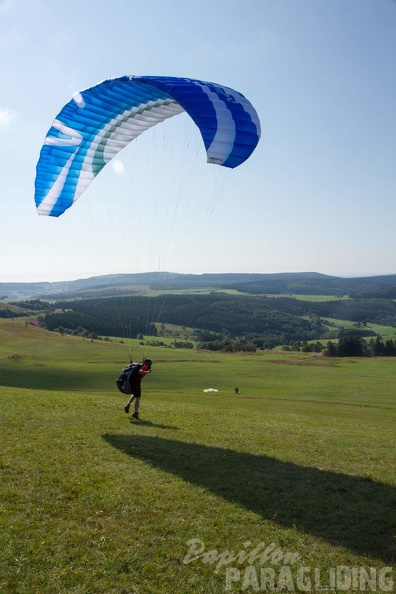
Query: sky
[{"x": 318, "y": 194}]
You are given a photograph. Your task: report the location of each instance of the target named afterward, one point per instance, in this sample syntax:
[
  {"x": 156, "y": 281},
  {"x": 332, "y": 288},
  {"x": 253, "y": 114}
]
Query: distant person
[
  {"x": 136, "y": 387},
  {"x": 236, "y": 389}
]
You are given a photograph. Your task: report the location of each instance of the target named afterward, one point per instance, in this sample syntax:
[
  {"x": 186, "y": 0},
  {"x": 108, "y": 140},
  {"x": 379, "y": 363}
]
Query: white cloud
[{"x": 7, "y": 116}]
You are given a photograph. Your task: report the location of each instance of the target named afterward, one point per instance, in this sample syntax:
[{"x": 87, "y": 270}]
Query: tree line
[
  {"x": 222, "y": 321},
  {"x": 354, "y": 346}
]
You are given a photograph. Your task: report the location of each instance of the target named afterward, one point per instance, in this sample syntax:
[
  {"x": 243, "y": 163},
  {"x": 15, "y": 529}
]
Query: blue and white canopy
[{"x": 100, "y": 121}]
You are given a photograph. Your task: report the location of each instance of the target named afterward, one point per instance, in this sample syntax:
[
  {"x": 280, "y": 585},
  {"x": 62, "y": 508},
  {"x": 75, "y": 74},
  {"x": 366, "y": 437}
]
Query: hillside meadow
[{"x": 294, "y": 476}]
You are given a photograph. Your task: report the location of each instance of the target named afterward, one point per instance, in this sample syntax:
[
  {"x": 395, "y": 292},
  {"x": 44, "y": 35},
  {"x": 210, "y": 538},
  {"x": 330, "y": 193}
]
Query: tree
[
  {"x": 389, "y": 350},
  {"x": 331, "y": 349},
  {"x": 351, "y": 346},
  {"x": 378, "y": 347}
]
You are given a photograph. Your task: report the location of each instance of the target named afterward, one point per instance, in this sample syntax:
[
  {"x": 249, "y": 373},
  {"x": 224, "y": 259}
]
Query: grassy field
[
  {"x": 320, "y": 298},
  {"x": 301, "y": 463},
  {"x": 386, "y": 332}
]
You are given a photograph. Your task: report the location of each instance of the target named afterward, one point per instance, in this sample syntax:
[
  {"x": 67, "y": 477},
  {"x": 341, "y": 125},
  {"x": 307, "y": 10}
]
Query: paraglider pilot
[{"x": 136, "y": 388}]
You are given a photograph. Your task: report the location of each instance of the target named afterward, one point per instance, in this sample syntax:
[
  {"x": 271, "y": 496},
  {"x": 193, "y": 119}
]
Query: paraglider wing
[
  {"x": 100, "y": 121},
  {"x": 228, "y": 122}
]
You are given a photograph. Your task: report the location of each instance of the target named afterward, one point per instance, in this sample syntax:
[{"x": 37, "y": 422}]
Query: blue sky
[{"x": 318, "y": 194}]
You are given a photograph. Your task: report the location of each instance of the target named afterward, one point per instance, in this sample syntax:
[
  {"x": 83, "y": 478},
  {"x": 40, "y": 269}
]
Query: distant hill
[
  {"x": 306, "y": 283},
  {"x": 260, "y": 308}
]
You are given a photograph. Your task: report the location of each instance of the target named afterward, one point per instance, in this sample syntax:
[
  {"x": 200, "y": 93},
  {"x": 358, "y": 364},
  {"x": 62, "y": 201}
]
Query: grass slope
[{"x": 91, "y": 502}]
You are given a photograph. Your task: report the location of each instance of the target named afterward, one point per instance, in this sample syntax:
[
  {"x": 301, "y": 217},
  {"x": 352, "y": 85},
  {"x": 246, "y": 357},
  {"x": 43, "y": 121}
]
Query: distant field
[
  {"x": 200, "y": 291},
  {"x": 319, "y": 298},
  {"x": 167, "y": 333},
  {"x": 302, "y": 461},
  {"x": 172, "y": 332},
  {"x": 387, "y": 332}
]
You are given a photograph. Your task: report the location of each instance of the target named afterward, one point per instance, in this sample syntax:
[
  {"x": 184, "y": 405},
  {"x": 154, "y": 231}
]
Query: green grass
[{"x": 91, "y": 502}]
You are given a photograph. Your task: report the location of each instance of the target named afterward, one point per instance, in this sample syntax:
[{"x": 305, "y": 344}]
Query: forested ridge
[
  {"x": 218, "y": 313},
  {"x": 283, "y": 320}
]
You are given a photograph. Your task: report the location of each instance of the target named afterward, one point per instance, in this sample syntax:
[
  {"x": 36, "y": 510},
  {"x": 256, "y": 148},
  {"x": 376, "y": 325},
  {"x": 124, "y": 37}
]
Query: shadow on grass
[
  {"x": 352, "y": 512},
  {"x": 41, "y": 377},
  {"x": 151, "y": 424}
]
